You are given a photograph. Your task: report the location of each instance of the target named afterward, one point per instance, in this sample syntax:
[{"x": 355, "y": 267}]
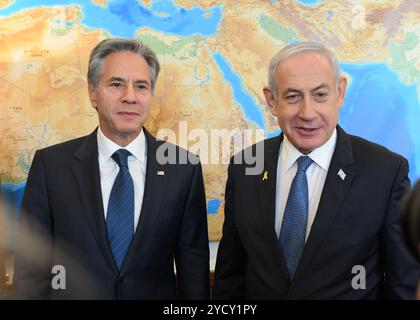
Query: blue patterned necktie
[
  {"x": 120, "y": 215},
  {"x": 293, "y": 228}
]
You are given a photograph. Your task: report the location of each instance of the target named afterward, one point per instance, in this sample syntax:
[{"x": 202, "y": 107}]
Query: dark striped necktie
[{"x": 120, "y": 215}]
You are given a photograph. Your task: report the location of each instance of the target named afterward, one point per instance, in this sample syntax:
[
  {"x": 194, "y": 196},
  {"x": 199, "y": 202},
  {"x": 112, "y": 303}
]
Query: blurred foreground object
[
  {"x": 2, "y": 255},
  {"x": 6, "y": 254}
]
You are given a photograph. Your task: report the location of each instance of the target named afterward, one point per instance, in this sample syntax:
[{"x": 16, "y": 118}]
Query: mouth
[
  {"x": 128, "y": 114},
  {"x": 307, "y": 131}
]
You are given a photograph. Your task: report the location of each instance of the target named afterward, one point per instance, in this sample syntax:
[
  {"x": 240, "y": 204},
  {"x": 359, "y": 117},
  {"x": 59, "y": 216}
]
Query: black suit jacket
[
  {"x": 357, "y": 224},
  {"x": 62, "y": 223}
]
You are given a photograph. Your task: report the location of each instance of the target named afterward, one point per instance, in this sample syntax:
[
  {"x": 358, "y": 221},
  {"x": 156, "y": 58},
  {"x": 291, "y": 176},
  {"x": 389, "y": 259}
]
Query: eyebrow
[
  {"x": 321, "y": 86},
  {"x": 291, "y": 90},
  {"x": 139, "y": 81}
]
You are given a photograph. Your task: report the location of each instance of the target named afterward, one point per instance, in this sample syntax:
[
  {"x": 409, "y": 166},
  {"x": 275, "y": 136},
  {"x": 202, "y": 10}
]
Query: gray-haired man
[
  {"x": 321, "y": 221},
  {"x": 102, "y": 218}
]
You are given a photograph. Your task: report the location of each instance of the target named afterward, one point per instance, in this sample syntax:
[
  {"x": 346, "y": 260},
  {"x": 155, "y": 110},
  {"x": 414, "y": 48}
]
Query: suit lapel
[
  {"x": 87, "y": 176},
  {"x": 153, "y": 195},
  {"x": 333, "y": 194},
  {"x": 266, "y": 190}
]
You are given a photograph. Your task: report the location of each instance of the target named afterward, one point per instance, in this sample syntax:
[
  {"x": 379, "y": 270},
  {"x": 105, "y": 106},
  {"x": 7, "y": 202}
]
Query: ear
[
  {"x": 341, "y": 90},
  {"x": 92, "y": 96},
  {"x": 271, "y": 101}
]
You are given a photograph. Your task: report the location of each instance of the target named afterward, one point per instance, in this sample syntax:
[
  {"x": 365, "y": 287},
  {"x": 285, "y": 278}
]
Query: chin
[
  {"x": 308, "y": 147},
  {"x": 129, "y": 131}
]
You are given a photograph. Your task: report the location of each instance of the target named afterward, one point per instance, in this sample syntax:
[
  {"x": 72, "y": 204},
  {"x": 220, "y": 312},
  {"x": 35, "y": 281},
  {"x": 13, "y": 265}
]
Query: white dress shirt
[
  {"x": 316, "y": 175},
  {"x": 109, "y": 169}
]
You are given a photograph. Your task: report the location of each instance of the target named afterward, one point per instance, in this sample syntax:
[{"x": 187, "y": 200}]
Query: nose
[
  {"x": 129, "y": 95},
  {"x": 307, "y": 110}
]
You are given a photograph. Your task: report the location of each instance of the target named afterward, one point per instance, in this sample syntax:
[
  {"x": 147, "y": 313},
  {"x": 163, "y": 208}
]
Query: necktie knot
[
  {"x": 303, "y": 163},
  {"x": 120, "y": 157}
]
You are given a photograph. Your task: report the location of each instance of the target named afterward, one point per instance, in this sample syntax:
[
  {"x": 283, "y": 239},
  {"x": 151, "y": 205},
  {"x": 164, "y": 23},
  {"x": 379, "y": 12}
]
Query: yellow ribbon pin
[{"x": 265, "y": 176}]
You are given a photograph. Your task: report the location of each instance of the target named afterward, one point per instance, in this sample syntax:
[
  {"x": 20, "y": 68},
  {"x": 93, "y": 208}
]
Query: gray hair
[
  {"x": 296, "y": 48},
  {"x": 113, "y": 45}
]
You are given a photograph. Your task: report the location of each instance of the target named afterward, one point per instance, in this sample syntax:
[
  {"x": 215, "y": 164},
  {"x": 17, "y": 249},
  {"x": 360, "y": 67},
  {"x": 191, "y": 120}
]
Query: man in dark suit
[
  {"x": 321, "y": 220},
  {"x": 104, "y": 216}
]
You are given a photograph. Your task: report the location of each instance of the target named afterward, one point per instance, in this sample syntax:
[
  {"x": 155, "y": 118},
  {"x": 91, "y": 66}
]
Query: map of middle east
[{"x": 214, "y": 56}]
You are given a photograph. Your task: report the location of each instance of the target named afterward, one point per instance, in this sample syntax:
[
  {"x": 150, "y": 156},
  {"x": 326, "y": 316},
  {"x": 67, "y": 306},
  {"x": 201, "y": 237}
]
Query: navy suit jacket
[
  {"x": 356, "y": 224},
  {"x": 63, "y": 211}
]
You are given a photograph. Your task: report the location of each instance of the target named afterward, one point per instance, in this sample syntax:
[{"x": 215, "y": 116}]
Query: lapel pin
[
  {"x": 265, "y": 176},
  {"x": 161, "y": 173},
  {"x": 341, "y": 174}
]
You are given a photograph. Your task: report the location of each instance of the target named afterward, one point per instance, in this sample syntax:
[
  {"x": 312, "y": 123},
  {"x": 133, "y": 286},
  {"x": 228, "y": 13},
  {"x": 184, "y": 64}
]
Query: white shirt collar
[
  {"x": 321, "y": 155},
  {"x": 107, "y": 147}
]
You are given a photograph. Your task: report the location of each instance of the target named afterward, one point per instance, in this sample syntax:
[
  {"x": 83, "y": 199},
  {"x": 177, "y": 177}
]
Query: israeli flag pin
[{"x": 341, "y": 174}]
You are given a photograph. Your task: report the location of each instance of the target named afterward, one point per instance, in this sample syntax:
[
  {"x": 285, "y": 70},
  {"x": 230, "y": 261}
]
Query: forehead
[
  {"x": 304, "y": 69},
  {"x": 125, "y": 64}
]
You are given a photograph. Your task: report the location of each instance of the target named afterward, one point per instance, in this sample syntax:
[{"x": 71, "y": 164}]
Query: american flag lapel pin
[
  {"x": 161, "y": 173},
  {"x": 341, "y": 174}
]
